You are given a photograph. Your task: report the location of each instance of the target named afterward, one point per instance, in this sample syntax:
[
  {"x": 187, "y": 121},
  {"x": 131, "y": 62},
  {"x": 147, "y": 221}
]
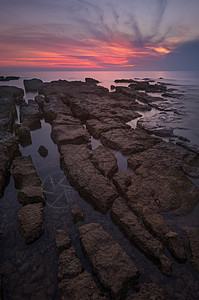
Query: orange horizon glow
[{"x": 97, "y": 55}]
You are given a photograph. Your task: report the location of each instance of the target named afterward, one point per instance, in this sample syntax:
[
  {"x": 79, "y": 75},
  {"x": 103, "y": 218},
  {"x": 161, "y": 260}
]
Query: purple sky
[{"x": 104, "y": 34}]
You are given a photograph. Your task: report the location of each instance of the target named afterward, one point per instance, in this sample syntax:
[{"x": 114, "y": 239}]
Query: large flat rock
[
  {"x": 30, "y": 220},
  {"x": 70, "y": 134},
  {"x": 139, "y": 236},
  {"x": 114, "y": 269},
  {"x": 128, "y": 141},
  {"x": 92, "y": 185}
]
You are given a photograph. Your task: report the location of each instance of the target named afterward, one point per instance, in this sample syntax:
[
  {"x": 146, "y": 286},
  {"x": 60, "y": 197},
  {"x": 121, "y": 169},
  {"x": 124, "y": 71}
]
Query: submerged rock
[
  {"x": 114, "y": 269},
  {"x": 30, "y": 220}
]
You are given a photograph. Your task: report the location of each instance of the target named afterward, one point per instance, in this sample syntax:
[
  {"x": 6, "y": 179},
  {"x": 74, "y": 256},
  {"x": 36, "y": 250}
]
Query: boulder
[
  {"x": 114, "y": 269},
  {"x": 24, "y": 136},
  {"x": 30, "y": 221},
  {"x": 105, "y": 161},
  {"x": 11, "y": 92},
  {"x": 91, "y": 80},
  {"x": 30, "y": 115},
  {"x": 77, "y": 214},
  {"x": 139, "y": 236},
  {"x": 40, "y": 100},
  {"x": 43, "y": 151}
]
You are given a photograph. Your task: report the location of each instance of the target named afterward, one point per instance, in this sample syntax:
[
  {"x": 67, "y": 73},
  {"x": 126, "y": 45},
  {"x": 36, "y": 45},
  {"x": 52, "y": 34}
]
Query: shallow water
[{"x": 41, "y": 257}]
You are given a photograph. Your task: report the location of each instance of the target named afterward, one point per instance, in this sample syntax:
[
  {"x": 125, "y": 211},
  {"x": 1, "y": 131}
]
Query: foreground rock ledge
[
  {"x": 30, "y": 220},
  {"x": 114, "y": 269}
]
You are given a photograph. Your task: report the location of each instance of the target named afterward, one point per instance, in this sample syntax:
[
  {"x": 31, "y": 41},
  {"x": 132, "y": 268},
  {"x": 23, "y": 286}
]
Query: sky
[{"x": 99, "y": 34}]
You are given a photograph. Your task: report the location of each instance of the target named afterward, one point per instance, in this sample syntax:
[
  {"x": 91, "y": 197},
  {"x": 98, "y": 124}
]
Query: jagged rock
[
  {"x": 148, "y": 291},
  {"x": 114, "y": 269},
  {"x": 62, "y": 241},
  {"x": 105, "y": 161},
  {"x": 96, "y": 127},
  {"x": 24, "y": 172},
  {"x": 91, "y": 184},
  {"x": 31, "y": 194},
  {"x": 140, "y": 237},
  {"x": 33, "y": 85},
  {"x": 193, "y": 239},
  {"x": 43, "y": 151},
  {"x": 128, "y": 141},
  {"x": 79, "y": 287},
  {"x": 53, "y": 107},
  {"x": 63, "y": 119},
  {"x": 77, "y": 214},
  {"x": 70, "y": 134},
  {"x": 91, "y": 80},
  {"x": 30, "y": 220},
  {"x": 69, "y": 265}
]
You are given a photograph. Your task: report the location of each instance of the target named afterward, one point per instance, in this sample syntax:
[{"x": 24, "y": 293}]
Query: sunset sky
[{"x": 99, "y": 34}]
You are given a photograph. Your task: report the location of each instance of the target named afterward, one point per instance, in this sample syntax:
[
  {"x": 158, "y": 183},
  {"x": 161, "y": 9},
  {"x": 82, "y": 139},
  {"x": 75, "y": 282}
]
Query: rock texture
[
  {"x": 43, "y": 151},
  {"x": 139, "y": 236},
  {"x": 30, "y": 115},
  {"x": 193, "y": 239},
  {"x": 148, "y": 291},
  {"x": 77, "y": 214},
  {"x": 115, "y": 271},
  {"x": 73, "y": 281},
  {"x": 32, "y": 196},
  {"x": 32, "y": 85}
]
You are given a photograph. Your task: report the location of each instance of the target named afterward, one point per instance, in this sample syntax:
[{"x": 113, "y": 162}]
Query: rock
[
  {"x": 70, "y": 134},
  {"x": 24, "y": 172},
  {"x": 8, "y": 78},
  {"x": 62, "y": 241},
  {"x": 40, "y": 100},
  {"x": 24, "y": 136},
  {"x": 112, "y": 87},
  {"x": 115, "y": 271},
  {"x": 30, "y": 220},
  {"x": 128, "y": 141},
  {"x": 148, "y": 291},
  {"x": 31, "y": 194},
  {"x": 91, "y": 80},
  {"x": 148, "y": 88},
  {"x": 11, "y": 92},
  {"x": 140, "y": 237},
  {"x": 124, "y": 80},
  {"x": 53, "y": 107},
  {"x": 33, "y": 85},
  {"x": 97, "y": 127},
  {"x": 193, "y": 239},
  {"x": 105, "y": 161},
  {"x": 43, "y": 151},
  {"x": 122, "y": 181},
  {"x": 77, "y": 214},
  {"x": 79, "y": 287},
  {"x": 162, "y": 165},
  {"x": 69, "y": 265},
  {"x": 91, "y": 184},
  {"x": 30, "y": 115},
  {"x": 8, "y": 149}
]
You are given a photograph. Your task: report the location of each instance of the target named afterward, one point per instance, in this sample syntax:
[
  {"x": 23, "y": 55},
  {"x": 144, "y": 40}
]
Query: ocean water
[
  {"x": 186, "y": 118},
  {"x": 39, "y": 279}
]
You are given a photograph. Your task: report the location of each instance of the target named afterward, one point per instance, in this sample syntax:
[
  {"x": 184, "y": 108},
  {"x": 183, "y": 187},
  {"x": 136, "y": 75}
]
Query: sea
[{"x": 30, "y": 271}]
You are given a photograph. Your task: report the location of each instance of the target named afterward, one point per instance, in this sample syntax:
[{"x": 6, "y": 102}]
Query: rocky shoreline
[{"x": 159, "y": 180}]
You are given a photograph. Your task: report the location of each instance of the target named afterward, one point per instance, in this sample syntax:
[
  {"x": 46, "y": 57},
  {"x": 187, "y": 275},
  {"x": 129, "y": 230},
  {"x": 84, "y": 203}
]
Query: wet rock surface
[
  {"x": 43, "y": 151},
  {"x": 73, "y": 281},
  {"x": 160, "y": 182},
  {"x": 31, "y": 196},
  {"x": 78, "y": 214},
  {"x": 193, "y": 239},
  {"x": 114, "y": 269}
]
